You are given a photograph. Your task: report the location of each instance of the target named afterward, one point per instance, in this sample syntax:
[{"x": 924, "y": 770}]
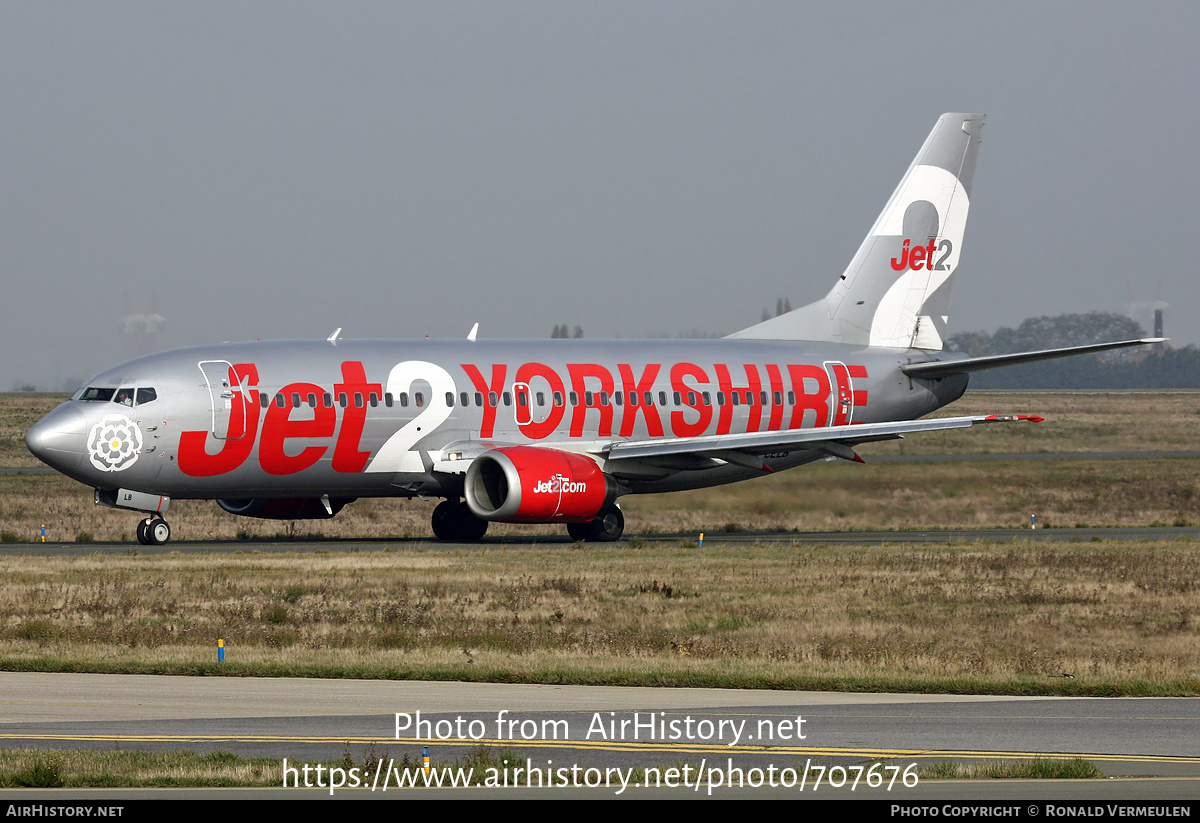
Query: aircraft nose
[{"x": 59, "y": 439}]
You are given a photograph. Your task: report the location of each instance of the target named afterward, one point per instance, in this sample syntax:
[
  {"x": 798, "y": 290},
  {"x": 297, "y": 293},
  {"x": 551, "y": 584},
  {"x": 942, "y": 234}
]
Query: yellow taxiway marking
[{"x": 602, "y": 745}]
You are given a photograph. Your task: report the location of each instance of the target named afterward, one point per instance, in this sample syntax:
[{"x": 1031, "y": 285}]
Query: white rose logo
[{"x": 115, "y": 443}]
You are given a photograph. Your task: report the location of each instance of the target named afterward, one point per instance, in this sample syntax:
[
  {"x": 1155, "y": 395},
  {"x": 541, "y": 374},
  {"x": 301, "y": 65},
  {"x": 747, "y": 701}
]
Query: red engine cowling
[
  {"x": 527, "y": 484},
  {"x": 285, "y": 508}
]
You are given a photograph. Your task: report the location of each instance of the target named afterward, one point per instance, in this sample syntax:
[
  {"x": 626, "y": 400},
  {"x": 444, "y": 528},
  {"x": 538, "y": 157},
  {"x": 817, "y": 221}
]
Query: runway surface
[
  {"x": 603, "y": 728},
  {"x": 947, "y": 536}
]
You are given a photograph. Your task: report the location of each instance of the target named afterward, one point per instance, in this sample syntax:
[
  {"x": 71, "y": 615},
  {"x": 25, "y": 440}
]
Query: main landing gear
[
  {"x": 453, "y": 521},
  {"x": 153, "y": 531},
  {"x": 606, "y": 527}
]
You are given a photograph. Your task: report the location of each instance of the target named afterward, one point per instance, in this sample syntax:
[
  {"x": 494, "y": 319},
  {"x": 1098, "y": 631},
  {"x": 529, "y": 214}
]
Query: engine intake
[{"x": 527, "y": 484}]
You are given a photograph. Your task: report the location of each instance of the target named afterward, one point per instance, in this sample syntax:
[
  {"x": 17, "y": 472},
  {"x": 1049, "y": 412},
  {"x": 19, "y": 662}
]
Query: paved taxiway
[
  {"x": 952, "y": 536},
  {"x": 311, "y": 720}
]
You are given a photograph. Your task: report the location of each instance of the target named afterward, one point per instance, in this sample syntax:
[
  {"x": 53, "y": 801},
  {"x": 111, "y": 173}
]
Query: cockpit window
[
  {"x": 124, "y": 397},
  {"x": 145, "y": 395},
  {"x": 95, "y": 393}
]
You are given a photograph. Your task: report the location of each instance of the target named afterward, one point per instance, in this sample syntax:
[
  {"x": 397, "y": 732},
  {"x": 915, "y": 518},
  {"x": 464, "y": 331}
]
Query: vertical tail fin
[{"x": 896, "y": 290}]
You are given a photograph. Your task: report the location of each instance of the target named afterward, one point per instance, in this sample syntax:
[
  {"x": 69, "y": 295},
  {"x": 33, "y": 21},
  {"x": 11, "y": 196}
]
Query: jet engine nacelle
[
  {"x": 285, "y": 508},
  {"x": 527, "y": 484}
]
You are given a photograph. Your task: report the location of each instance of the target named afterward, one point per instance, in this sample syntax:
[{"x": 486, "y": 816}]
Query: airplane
[{"x": 552, "y": 431}]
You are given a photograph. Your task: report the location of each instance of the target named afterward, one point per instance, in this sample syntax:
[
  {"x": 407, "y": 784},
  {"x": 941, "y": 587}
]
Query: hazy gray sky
[{"x": 279, "y": 169}]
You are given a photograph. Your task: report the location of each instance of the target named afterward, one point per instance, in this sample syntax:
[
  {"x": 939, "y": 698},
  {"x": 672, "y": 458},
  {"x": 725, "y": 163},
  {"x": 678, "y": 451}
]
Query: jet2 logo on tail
[{"x": 921, "y": 257}]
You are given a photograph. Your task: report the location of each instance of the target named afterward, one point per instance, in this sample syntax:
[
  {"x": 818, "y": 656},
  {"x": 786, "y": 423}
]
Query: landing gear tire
[
  {"x": 606, "y": 527},
  {"x": 156, "y": 530},
  {"x": 453, "y": 521},
  {"x": 143, "y": 528}
]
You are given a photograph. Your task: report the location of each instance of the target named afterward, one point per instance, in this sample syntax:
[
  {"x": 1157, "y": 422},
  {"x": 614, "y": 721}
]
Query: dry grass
[
  {"x": 844, "y": 496},
  {"x": 17, "y": 413},
  {"x": 1075, "y": 422},
  {"x": 1118, "y": 618},
  {"x": 52, "y": 769}
]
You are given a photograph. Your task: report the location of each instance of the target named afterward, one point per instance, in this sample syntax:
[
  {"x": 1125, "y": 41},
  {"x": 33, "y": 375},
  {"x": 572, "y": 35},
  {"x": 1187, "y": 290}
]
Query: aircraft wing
[{"x": 836, "y": 440}]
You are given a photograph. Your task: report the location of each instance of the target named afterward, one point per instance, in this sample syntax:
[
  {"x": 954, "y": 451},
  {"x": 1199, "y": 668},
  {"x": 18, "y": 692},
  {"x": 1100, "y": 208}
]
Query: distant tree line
[{"x": 1136, "y": 368}]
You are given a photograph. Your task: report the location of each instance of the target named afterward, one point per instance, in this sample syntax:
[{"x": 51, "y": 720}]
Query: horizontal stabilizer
[{"x": 944, "y": 368}]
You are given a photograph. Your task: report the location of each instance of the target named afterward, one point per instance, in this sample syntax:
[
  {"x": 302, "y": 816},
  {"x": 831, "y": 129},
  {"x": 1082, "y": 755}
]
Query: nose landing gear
[{"x": 153, "y": 531}]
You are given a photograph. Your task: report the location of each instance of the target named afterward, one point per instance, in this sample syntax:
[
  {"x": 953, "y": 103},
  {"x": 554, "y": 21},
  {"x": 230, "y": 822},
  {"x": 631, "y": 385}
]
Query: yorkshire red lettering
[
  {"x": 860, "y": 395},
  {"x": 534, "y": 429},
  {"x": 194, "y": 458},
  {"x": 639, "y": 388},
  {"x": 488, "y": 427},
  {"x": 580, "y": 373},
  {"x": 278, "y": 428},
  {"x": 776, "y": 378},
  {"x": 816, "y": 401},
  {"x": 725, "y": 386},
  {"x": 691, "y": 397}
]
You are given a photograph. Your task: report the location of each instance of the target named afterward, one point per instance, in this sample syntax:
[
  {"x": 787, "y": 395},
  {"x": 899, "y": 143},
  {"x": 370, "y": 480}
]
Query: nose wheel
[{"x": 153, "y": 531}]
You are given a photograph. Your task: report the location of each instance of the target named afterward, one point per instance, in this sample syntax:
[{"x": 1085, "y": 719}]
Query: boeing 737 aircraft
[{"x": 551, "y": 431}]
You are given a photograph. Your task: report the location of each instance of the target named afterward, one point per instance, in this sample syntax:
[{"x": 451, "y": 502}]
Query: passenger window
[
  {"x": 295, "y": 400},
  {"x": 280, "y": 400},
  {"x": 558, "y": 398}
]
